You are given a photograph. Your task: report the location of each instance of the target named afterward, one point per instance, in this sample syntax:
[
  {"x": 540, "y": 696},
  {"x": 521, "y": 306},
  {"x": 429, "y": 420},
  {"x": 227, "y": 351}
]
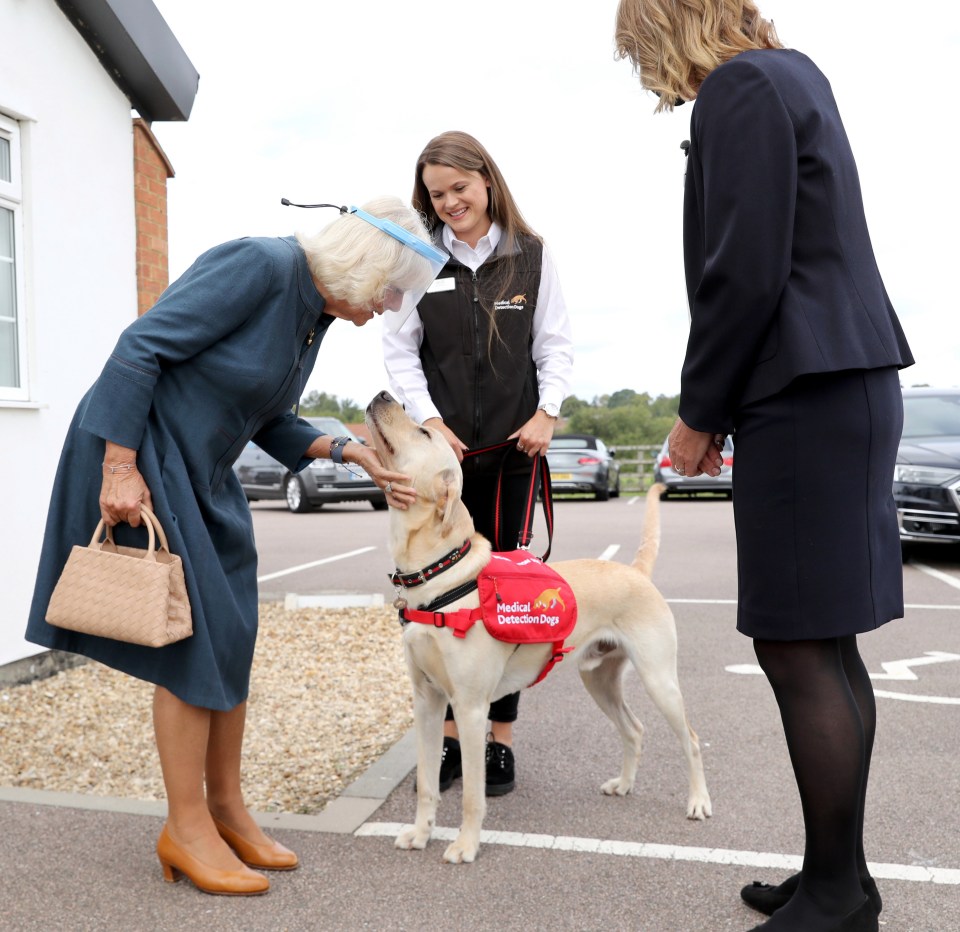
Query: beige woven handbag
[{"x": 124, "y": 593}]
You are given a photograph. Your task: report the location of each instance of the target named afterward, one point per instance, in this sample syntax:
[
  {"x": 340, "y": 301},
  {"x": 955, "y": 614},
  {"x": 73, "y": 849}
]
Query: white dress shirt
[{"x": 552, "y": 348}]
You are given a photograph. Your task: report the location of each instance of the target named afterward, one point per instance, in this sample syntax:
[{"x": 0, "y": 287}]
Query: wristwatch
[
  {"x": 336, "y": 448},
  {"x": 550, "y": 410}
]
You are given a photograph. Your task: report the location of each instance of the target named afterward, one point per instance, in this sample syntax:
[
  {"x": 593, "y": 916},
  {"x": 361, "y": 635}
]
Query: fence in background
[{"x": 636, "y": 466}]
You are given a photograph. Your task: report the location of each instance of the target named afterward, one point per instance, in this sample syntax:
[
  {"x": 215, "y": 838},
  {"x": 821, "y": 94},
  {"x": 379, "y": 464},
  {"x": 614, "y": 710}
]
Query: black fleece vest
[{"x": 484, "y": 390}]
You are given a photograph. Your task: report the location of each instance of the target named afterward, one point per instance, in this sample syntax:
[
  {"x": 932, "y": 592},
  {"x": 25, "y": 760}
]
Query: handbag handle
[
  {"x": 526, "y": 529},
  {"x": 154, "y": 530}
]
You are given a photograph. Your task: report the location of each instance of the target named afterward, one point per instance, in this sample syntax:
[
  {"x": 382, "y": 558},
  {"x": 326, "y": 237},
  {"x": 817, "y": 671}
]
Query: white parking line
[
  {"x": 702, "y": 601},
  {"x": 937, "y": 574},
  {"x": 609, "y": 553},
  {"x": 307, "y": 566},
  {"x": 633, "y": 849},
  {"x": 944, "y": 608},
  {"x": 909, "y": 697}
]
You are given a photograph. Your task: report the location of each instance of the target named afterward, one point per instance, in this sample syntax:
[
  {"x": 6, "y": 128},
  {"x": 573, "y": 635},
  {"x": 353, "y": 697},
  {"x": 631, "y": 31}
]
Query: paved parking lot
[{"x": 558, "y": 854}]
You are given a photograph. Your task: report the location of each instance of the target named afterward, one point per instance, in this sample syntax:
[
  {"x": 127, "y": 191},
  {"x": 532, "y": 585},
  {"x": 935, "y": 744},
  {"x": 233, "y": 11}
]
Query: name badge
[{"x": 442, "y": 284}]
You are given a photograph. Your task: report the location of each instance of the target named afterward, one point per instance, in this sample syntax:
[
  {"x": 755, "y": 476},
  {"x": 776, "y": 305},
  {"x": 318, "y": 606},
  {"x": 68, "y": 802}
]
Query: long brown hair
[
  {"x": 674, "y": 44},
  {"x": 456, "y": 149}
]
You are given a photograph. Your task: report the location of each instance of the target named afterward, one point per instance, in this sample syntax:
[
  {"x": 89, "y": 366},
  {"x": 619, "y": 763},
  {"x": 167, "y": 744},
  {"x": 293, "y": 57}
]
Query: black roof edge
[{"x": 139, "y": 51}]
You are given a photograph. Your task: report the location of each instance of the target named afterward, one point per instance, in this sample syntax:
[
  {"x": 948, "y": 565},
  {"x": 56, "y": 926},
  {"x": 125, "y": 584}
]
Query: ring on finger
[
  {"x": 520, "y": 446},
  {"x": 388, "y": 488}
]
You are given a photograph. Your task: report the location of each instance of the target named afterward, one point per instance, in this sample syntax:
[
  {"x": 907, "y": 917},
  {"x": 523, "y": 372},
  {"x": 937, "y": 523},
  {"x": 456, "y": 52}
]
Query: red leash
[{"x": 540, "y": 466}]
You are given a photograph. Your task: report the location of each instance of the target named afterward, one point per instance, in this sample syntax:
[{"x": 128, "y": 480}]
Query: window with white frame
[{"x": 13, "y": 340}]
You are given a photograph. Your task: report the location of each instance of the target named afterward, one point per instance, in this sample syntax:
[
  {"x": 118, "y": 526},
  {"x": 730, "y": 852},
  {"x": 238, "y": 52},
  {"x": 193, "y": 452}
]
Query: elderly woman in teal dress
[{"x": 220, "y": 360}]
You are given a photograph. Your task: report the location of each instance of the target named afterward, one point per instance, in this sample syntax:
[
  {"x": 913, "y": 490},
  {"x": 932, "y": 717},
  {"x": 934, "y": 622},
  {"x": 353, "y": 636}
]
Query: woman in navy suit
[{"x": 795, "y": 347}]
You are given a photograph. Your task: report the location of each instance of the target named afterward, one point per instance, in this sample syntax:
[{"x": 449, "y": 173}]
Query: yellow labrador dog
[{"x": 622, "y": 618}]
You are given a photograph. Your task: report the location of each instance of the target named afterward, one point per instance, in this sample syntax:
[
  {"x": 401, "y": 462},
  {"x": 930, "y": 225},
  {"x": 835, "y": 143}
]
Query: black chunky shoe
[
  {"x": 450, "y": 766},
  {"x": 862, "y": 919},
  {"x": 450, "y": 763},
  {"x": 767, "y": 899},
  {"x": 500, "y": 769}
]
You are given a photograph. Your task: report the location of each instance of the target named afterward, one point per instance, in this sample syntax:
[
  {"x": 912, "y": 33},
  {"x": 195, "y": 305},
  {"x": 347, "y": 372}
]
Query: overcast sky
[{"x": 318, "y": 100}]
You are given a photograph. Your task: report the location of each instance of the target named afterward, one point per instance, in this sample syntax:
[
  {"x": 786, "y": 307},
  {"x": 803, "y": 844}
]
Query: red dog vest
[{"x": 522, "y": 601}]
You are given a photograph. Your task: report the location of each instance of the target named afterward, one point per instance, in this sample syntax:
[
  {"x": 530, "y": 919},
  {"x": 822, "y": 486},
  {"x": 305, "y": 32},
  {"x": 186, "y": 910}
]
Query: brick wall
[{"x": 151, "y": 171}]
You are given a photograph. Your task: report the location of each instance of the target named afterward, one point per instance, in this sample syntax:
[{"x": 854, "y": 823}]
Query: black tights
[{"x": 829, "y": 718}]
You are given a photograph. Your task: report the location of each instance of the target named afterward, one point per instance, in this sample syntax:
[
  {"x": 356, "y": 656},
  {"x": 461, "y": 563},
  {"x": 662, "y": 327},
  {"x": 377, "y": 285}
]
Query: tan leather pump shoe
[
  {"x": 176, "y": 862},
  {"x": 272, "y": 857}
]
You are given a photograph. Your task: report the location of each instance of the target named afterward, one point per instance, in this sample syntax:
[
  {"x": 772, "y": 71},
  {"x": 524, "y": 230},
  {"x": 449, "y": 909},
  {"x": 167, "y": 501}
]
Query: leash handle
[{"x": 541, "y": 472}]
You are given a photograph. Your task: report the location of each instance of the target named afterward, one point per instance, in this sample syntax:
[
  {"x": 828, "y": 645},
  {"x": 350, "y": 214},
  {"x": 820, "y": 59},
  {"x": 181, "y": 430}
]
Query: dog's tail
[{"x": 650, "y": 544}]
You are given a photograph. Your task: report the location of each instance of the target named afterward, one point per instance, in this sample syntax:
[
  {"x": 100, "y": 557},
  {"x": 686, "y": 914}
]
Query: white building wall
[{"x": 79, "y": 243}]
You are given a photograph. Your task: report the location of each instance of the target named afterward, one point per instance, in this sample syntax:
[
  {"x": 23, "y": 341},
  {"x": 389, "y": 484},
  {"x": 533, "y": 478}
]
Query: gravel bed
[{"x": 329, "y": 693}]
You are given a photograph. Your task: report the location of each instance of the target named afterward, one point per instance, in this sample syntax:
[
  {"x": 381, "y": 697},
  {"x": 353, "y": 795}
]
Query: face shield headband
[{"x": 403, "y": 295}]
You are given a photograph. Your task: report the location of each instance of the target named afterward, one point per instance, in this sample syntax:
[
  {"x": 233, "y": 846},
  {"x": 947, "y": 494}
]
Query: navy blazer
[{"x": 781, "y": 276}]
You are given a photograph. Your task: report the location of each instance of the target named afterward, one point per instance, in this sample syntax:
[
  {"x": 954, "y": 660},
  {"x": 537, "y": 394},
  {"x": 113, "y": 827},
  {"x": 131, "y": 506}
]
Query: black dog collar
[{"x": 409, "y": 580}]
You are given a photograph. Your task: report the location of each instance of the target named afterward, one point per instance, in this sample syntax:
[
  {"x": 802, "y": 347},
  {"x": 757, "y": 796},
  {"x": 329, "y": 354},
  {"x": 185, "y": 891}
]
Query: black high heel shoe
[
  {"x": 862, "y": 919},
  {"x": 767, "y": 899}
]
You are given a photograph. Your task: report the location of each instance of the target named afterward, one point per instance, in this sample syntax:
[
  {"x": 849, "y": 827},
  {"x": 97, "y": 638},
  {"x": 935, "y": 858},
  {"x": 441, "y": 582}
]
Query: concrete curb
[{"x": 342, "y": 816}]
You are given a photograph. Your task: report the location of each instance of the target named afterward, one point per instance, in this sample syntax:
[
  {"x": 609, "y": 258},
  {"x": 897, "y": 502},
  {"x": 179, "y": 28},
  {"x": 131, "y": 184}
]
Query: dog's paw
[
  {"x": 617, "y": 787},
  {"x": 460, "y": 852},
  {"x": 412, "y": 838},
  {"x": 699, "y": 808}
]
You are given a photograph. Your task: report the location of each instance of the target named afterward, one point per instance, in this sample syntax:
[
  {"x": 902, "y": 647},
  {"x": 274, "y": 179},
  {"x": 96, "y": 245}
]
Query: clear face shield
[{"x": 401, "y": 296}]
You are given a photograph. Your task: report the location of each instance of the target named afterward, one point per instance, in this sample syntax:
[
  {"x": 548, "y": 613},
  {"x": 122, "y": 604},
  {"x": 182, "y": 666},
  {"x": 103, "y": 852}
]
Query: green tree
[
  {"x": 625, "y": 418},
  {"x": 623, "y": 398},
  {"x": 320, "y": 404},
  {"x": 571, "y": 405}
]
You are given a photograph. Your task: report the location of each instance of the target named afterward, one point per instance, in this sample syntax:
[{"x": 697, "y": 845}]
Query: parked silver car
[
  {"x": 323, "y": 481},
  {"x": 583, "y": 463},
  {"x": 676, "y": 484}
]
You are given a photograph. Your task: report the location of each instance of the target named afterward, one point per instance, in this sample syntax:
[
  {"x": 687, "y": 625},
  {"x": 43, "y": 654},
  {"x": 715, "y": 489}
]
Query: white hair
[{"x": 354, "y": 261}]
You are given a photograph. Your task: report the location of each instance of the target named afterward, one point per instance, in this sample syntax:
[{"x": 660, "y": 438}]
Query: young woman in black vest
[{"x": 486, "y": 357}]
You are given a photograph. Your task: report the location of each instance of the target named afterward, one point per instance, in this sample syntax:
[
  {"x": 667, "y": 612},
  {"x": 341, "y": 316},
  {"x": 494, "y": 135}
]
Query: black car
[
  {"x": 322, "y": 482},
  {"x": 583, "y": 463},
  {"x": 926, "y": 479},
  {"x": 676, "y": 484}
]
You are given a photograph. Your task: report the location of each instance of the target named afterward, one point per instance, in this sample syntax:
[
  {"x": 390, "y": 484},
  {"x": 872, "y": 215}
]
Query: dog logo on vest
[
  {"x": 517, "y": 301},
  {"x": 547, "y": 600}
]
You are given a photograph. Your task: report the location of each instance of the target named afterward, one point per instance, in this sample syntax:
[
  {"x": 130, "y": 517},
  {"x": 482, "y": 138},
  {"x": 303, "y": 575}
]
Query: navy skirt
[{"x": 818, "y": 545}]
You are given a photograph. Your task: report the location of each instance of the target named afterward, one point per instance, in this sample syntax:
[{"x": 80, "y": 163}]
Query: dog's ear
[{"x": 447, "y": 485}]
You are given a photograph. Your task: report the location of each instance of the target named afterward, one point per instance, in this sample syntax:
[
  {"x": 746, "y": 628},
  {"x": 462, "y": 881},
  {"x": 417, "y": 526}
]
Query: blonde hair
[
  {"x": 355, "y": 261},
  {"x": 674, "y": 44}
]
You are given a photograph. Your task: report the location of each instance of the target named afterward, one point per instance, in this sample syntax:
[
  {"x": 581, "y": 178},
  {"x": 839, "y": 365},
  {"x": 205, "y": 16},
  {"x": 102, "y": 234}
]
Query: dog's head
[{"x": 423, "y": 454}]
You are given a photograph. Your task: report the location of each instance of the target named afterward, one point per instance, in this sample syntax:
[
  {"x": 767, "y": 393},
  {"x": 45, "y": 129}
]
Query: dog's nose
[{"x": 381, "y": 398}]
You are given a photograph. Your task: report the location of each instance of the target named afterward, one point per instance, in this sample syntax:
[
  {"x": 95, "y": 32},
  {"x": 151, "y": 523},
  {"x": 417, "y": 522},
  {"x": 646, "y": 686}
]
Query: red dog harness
[{"x": 522, "y": 601}]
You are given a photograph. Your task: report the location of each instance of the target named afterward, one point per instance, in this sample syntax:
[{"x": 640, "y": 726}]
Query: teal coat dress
[{"x": 220, "y": 360}]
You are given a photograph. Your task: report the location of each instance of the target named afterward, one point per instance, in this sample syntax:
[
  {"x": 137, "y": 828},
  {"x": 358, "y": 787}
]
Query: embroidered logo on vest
[{"x": 518, "y": 300}]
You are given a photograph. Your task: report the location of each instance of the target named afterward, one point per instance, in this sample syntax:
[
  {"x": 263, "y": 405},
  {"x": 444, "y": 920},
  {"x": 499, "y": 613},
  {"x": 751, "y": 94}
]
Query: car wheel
[
  {"x": 379, "y": 505},
  {"x": 602, "y": 494},
  {"x": 296, "y": 495}
]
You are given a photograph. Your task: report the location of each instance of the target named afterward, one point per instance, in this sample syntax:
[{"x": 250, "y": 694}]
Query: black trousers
[{"x": 480, "y": 497}]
